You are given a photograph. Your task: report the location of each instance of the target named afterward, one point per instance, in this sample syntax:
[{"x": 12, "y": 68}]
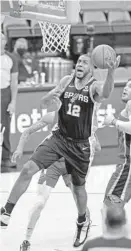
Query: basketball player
[
  {"x": 119, "y": 187},
  {"x": 47, "y": 181},
  {"x": 78, "y": 95}
]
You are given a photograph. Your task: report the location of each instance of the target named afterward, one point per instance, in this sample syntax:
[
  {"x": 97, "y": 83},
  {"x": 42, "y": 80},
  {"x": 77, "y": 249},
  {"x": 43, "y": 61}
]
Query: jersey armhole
[
  {"x": 66, "y": 81},
  {"x": 91, "y": 94}
]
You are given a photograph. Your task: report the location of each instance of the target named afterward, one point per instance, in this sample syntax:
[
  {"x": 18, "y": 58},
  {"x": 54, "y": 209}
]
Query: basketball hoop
[
  {"x": 55, "y": 18},
  {"x": 55, "y": 36}
]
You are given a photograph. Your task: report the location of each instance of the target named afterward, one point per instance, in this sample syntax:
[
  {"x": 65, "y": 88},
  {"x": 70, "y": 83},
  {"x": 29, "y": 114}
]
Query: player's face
[
  {"x": 83, "y": 67},
  {"x": 3, "y": 43},
  {"x": 126, "y": 95}
]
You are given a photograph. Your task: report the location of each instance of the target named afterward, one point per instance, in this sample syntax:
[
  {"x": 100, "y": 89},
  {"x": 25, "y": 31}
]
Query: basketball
[{"x": 102, "y": 54}]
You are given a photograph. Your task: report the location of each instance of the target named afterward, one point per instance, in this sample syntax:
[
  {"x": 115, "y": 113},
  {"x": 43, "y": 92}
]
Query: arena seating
[
  {"x": 93, "y": 16},
  {"x": 118, "y": 16}
]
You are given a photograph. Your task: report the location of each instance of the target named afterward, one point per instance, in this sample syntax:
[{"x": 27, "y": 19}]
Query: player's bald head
[
  {"x": 85, "y": 56},
  {"x": 115, "y": 217}
]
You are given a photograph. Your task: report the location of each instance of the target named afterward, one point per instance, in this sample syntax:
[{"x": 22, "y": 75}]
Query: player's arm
[
  {"x": 46, "y": 119},
  {"x": 123, "y": 126},
  {"x": 102, "y": 91},
  {"x": 56, "y": 92},
  {"x": 120, "y": 125}
]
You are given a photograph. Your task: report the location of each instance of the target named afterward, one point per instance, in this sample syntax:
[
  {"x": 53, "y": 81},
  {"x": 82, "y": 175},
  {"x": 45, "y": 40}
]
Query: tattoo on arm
[
  {"x": 26, "y": 134},
  {"x": 57, "y": 91}
]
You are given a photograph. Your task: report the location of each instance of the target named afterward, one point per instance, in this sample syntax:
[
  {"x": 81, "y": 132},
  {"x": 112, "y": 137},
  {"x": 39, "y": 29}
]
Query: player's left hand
[
  {"x": 109, "y": 120},
  {"x": 17, "y": 155},
  {"x": 11, "y": 108},
  {"x": 112, "y": 65}
]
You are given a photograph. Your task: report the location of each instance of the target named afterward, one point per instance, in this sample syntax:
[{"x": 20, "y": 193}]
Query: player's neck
[{"x": 80, "y": 83}]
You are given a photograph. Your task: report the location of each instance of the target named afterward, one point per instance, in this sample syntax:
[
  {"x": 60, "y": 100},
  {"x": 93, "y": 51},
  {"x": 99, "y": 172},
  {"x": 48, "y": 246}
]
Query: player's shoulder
[
  {"x": 65, "y": 79},
  {"x": 64, "y": 82},
  {"x": 97, "y": 83}
]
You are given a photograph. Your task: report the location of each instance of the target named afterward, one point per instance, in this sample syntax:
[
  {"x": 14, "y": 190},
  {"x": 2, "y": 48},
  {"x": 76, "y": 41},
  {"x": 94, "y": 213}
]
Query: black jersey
[{"x": 76, "y": 112}]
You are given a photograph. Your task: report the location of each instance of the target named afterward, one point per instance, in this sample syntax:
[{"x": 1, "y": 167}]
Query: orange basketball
[{"x": 102, "y": 54}]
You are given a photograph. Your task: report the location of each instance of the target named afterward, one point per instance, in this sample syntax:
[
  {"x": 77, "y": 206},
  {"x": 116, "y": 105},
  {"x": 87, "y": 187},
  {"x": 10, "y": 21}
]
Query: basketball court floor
[{"x": 56, "y": 227}]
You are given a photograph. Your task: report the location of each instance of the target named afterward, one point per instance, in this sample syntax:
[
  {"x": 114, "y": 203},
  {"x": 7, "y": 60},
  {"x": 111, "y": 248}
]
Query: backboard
[{"x": 57, "y": 11}]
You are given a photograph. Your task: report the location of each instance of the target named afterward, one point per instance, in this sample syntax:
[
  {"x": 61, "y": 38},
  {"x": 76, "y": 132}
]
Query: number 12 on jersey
[{"x": 74, "y": 110}]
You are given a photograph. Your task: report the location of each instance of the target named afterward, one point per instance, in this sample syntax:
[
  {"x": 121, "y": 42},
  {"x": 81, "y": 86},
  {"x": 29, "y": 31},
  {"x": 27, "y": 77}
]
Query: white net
[{"x": 55, "y": 36}]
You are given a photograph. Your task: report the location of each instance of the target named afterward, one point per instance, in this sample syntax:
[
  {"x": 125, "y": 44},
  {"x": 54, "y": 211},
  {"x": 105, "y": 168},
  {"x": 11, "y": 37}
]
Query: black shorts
[
  {"x": 76, "y": 154},
  {"x": 53, "y": 173}
]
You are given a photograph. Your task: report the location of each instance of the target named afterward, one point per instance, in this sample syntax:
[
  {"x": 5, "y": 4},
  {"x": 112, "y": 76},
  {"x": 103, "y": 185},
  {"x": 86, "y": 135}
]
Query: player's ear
[{"x": 91, "y": 69}]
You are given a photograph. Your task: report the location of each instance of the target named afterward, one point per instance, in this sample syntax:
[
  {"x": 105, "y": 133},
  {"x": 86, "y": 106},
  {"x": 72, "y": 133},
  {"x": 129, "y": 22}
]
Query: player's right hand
[
  {"x": 112, "y": 65},
  {"x": 17, "y": 155}
]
